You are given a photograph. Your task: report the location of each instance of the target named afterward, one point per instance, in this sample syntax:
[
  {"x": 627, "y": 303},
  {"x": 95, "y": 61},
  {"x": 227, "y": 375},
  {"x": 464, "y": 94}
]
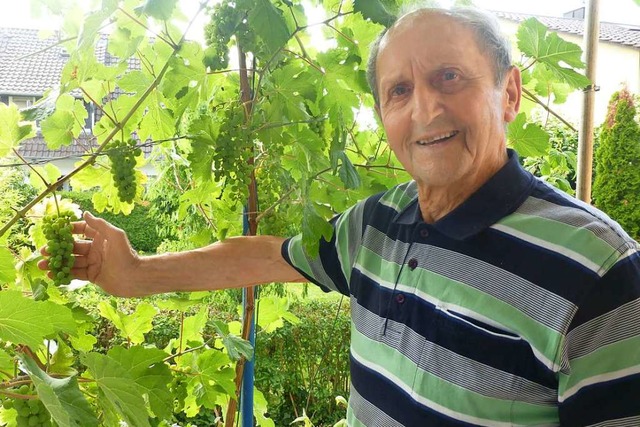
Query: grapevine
[
  {"x": 123, "y": 161},
  {"x": 30, "y": 412},
  {"x": 57, "y": 229}
]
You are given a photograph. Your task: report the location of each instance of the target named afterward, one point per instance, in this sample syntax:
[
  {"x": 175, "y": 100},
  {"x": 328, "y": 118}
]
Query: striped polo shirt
[{"x": 519, "y": 308}]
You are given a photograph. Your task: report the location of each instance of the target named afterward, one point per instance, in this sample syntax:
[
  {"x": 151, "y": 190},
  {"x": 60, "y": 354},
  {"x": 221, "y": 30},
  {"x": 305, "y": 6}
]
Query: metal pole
[
  {"x": 585, "y": 136},
  {"x": 246, "y": 396}
]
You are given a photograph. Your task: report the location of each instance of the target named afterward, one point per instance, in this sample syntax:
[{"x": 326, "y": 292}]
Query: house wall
[{"x": 615, "y": 65}]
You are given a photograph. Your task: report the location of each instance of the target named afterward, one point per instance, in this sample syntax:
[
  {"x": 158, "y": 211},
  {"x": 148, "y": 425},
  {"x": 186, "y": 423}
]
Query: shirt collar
[{"x": 497, "y": 198}]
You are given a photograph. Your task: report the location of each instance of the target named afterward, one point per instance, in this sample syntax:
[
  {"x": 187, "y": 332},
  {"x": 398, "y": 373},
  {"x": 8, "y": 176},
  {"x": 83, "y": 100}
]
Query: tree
[
  {"x": 276, "y": 140},
  {"x": 616, "y": 189}
]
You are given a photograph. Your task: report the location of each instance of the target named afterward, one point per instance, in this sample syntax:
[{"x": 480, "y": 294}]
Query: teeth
[{"x": 437, "y": 138}]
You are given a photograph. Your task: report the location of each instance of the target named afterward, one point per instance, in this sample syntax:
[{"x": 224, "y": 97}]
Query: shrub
[
  {"x": 139, "y": 224},
  {"x": 616, "y": 189},
  {"x": 14, "y": 193},
  {"x": 558, "y": 165},
  {"x": 305, "y": 366}
]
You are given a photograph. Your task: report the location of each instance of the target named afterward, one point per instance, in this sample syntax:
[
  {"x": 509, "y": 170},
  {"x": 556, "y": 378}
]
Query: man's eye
[
  {"x": 449, "y": 75},
  {"x": 399, "y": 90}
]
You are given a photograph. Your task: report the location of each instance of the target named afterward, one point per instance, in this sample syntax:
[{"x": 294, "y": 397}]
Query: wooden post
[{"x": 585, "y": 136}]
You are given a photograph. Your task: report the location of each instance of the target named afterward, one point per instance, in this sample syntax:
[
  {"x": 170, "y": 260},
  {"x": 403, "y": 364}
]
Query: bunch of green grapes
[
  {"x": 57, "y": 229},
  {"x": 317, "y": 125},
  {"x": 232, "y": 151},
  {"x": 31, "y": 412},
  {"x": 228, "y": 19},
  {"x": 123, "y": 161}
]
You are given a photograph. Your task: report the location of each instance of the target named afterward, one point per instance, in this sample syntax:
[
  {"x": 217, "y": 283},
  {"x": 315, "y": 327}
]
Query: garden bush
[
  {"x": 139, "y": 224},
  {"x": 306, "y": 365},
  {"x": 14, "y": 191}
]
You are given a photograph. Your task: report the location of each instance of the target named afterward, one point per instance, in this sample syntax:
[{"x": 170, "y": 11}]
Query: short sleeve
[{"x": 331, "y": 268}]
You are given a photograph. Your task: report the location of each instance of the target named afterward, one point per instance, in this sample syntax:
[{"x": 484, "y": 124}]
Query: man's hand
[{"x": 105, "y": 258}]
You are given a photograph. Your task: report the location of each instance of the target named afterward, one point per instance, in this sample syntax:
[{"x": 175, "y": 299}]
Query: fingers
[{"x": 82, "y": 247}]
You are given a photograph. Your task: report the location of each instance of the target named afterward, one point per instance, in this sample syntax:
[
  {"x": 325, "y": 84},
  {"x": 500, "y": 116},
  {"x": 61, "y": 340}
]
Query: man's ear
[{"x": 512, "y": 94}]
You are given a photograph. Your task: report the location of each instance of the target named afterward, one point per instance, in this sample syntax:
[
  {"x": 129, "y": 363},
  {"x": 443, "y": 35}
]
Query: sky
[{"x": 16, "y": 13}]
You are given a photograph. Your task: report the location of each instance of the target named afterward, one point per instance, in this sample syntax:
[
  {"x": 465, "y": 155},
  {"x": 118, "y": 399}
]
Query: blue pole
[{"x": 246, "y": 394}]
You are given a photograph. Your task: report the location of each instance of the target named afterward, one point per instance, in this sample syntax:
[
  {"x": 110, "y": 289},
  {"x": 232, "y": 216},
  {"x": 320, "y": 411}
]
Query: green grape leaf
[
  {"x": 552, "y": 50},
  {"x": 194, "y": 325},
  {"x": 92, "y": 23},
  {"x": 379, "y": 11},
  {"x": 186, "y": 70},
  {"x": 84, "y": 340},
  {"x": 236, "y": 347},
  {"x": 348, "y": 173},
  {"x": 528, "y": 139},
  {"x": 273, "y": 311},
  {"x": 7, "y": 266},
  {"x": 11, "y": 132},
  {"x": 314, "y": 227},
  {"x": 24, "y": 321},
  {"x": 269, "y": 24},
  {"x": 61, "y": 396},
  {"x": 63, "y": 360},
  {"x": 204, "y": 132},
  {"x": 65, "y": 123},
  {"x": 261, "y": 409},
  {"x": 90, "y": 177},
  {"x": 159, "y": 9},
  {"x": 157, "y": 123},
  {"x": 119, "y": 392},
  {"x": 135, "y": 81},
  {"x": 50, "y": 172},
  {"x": 547, "y": 84},
  {"x": 6, "y": 362},
  {"x": 122, "y": 44},
  {"x": 215, "y": 375},
  {"x": 146, "y": 366},
  {"x": 180, "y": 303},
  {"x": 131, "y": 326}
]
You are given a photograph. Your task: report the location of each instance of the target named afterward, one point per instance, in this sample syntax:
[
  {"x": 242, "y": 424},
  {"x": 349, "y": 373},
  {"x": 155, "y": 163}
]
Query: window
[{"x": 22, "y": 101}]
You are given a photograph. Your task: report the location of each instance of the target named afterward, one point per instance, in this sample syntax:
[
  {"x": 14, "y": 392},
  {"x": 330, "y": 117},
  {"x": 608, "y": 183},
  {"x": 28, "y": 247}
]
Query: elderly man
[{"x": 479, "y": 294}]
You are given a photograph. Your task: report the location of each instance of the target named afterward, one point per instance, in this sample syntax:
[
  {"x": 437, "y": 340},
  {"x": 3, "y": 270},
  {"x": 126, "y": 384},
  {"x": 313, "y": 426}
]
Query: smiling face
[{"x": 442, "y": 111}]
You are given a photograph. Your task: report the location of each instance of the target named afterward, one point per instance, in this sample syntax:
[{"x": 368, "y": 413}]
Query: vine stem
[{"x": 531, "y": 96}]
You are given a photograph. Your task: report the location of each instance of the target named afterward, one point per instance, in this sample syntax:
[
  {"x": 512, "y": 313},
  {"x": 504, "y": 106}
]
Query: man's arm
[{"x": 109, "y": 261}]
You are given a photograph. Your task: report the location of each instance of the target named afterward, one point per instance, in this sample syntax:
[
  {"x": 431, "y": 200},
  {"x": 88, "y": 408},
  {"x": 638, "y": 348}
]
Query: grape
[
  {"x": 30, "y": 412},
  {"x": 232, "y": 150},
  {"x": 228, "y": 19},
  {"x": 123, "y": 163},
  {"x": 317, "y": 126},
  {"x": 58, "y": 231}
]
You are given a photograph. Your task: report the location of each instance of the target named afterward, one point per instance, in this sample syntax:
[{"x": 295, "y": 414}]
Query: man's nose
[{"x": 427, "y": 104}]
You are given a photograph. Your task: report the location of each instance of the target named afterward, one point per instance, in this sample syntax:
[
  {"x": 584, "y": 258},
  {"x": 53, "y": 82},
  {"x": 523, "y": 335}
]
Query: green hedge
[
  {"x": 139, "y": 224},
  {"x": 616, "y": 189}
]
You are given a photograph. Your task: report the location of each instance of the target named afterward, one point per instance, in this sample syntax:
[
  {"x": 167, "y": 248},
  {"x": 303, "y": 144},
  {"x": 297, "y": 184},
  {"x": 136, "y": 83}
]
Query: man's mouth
[{"x": 438, "y": 138}]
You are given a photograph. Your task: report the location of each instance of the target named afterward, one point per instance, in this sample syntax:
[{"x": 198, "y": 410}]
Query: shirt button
[
  {"x": 413, "y": 263},
  {"x": 400, "y": 298},
  {"x": 424, "y": 233}
]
